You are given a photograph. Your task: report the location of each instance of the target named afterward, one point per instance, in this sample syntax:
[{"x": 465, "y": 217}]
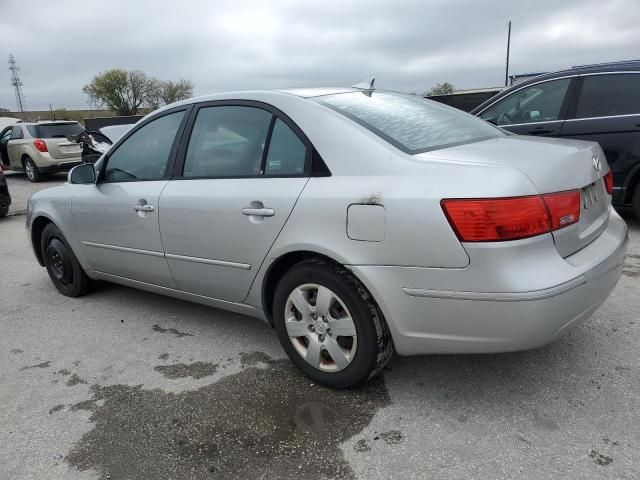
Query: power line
[{"x": 16, "y": 83}]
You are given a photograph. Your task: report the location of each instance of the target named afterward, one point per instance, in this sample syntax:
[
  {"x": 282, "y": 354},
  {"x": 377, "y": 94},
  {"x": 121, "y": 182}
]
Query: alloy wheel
[
  {"x": 28, "y": 167},
  {"x": 320, "y": 327}
]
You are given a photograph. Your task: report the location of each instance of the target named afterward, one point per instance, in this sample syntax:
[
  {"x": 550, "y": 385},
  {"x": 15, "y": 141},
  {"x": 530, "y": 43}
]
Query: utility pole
[
  {"x": 16, "y": 83},
  {"x": 506, "y": 73}
]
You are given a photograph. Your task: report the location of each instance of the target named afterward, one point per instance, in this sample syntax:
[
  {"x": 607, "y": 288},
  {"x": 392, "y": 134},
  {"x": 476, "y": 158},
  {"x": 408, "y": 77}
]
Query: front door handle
[
  {"x": 259, "y": 212},
  {"x": 144, "y": 208},
  {"x": 539, "y": 131}
]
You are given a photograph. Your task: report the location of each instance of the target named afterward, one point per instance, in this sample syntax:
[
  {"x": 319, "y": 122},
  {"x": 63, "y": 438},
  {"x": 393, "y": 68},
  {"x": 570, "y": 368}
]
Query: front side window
[
  {"x": 6, "y": 136},
  {"x": 144, "y": 155},
  {"x": 609, "y": 95},
  {"x": 538, "y": 103},
  {"x": 411, "y": 124},
  {"x": 287, "y": 153},
  {"x": 227, "y": 141},
  {"x": 16, "y": 133}
]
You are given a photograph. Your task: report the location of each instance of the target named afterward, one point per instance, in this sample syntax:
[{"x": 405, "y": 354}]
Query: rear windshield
[
  {"x": 57, "y": 130},
  {"x": 412, "y": 124}
]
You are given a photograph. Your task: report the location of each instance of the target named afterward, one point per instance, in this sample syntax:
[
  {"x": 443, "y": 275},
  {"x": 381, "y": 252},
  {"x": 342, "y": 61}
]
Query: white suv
[{"x": 38, "y": 148}]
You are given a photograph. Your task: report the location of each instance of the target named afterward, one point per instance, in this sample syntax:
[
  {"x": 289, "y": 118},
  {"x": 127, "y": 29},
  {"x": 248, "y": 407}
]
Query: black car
[
  {"x": 593, "y": 102},
  {"x": 5, "y": 198}
]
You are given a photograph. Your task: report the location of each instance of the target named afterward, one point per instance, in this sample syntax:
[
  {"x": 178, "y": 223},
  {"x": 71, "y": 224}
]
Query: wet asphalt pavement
[{"x": 124, "y": 384}]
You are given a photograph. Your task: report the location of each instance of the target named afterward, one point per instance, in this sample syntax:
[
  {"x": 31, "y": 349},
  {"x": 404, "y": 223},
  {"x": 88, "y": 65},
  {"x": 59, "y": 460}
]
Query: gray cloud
[{"x": 232, "y": 45}]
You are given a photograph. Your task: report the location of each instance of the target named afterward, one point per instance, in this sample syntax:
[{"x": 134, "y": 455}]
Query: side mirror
[{"x": 82, "y": 174}]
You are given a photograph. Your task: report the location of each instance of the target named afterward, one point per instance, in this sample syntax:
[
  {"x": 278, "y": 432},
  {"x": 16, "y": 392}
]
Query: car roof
[
  {"x": 628, "y": 65},
  {"x": 318, "y": 91},
  {"x": 623, "y": 66},
  {"x": 267, "y": 96}
]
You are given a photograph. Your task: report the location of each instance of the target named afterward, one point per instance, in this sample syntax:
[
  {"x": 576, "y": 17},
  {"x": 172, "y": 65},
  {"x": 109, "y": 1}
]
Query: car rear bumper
[{"x": 520, "y": 301}]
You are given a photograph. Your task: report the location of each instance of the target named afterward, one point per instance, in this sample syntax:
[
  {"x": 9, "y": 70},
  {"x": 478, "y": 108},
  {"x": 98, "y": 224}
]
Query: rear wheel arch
[{"x": 278, "y": 268}]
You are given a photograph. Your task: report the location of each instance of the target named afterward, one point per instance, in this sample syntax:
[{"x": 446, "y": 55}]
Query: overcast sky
[{"x": 235, "y": 45}]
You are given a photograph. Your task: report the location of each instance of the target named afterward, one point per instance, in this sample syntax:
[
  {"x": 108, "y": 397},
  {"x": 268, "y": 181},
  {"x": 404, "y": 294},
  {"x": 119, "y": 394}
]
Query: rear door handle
[
  {"x": 259, "y": 212},
  {"x": 144, "y": 208}
]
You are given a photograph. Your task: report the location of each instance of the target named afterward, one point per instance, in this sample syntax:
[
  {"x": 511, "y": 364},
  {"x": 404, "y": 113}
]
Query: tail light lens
[
  {"x": 500, "y": 219},
  {"x": 564, "y": 208},
  {"x": 40, "y": 145},
  {"x": 608, "y": 182}
]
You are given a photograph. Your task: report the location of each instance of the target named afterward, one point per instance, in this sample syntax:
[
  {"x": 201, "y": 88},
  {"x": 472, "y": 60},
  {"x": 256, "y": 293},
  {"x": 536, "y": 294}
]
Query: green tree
[
  {"x": 440, "y": 89},
  {"x": 126, "y": 92},
  {"x": 121, "y": 91},
  {"x": 176, "y": 91}
]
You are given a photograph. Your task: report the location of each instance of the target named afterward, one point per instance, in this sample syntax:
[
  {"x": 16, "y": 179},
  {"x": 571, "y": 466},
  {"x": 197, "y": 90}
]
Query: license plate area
[
  {"x": 69, "y": 149},
  {"x": 590, "y": 197}
]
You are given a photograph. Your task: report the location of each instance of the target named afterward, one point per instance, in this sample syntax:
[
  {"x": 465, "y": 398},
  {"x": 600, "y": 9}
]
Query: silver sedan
[{"x": 357, "y": 222}]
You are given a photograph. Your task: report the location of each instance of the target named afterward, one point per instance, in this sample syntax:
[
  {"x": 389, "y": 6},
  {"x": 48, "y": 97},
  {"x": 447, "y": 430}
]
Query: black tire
[
  {"x": 4, "y": 211},
  {"x": 374, "y": 342},
  {"x": 635, "y": 201},
  {"x": 31, "y": 170},
  {"x": 63, "y": 267}
]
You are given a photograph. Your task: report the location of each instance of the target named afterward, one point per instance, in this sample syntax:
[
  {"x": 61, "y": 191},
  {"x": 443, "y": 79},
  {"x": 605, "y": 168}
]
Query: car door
[
  {"x": 4, "y": 139},
  {"x": 240, "y": 176},
  {"x": 116, "y": 219},
  {"x": 607, "y": 110},
  {"x": 14, "y": 147},
  {"x": 537, "y": 109}
]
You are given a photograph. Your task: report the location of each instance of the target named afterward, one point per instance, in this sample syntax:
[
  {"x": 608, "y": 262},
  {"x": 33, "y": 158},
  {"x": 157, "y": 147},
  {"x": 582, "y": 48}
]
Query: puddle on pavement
[
  {"x": 266, "y": 423},
  {"x": 172, "y": 331},
  {"x": 181, "y": 370}
]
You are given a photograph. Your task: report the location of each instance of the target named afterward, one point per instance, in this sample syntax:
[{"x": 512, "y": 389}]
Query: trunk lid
[
  {"x": 552, "y": 165},
  {"x": 61, "y": 148},
  {"x": 55, "y": 135}
]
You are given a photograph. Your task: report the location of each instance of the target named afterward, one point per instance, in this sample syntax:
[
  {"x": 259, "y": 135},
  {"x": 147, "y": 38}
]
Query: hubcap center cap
[{"x": 319, "y": 326}]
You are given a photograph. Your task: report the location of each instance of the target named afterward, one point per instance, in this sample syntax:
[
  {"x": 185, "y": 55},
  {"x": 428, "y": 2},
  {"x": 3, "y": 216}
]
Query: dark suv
[{"x": 593, "y": 102}]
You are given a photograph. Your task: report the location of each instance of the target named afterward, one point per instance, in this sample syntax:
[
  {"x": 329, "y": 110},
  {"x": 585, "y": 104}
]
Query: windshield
[
  {"x": 58, "y": 130},
  {"x": 410, "y": 123}
]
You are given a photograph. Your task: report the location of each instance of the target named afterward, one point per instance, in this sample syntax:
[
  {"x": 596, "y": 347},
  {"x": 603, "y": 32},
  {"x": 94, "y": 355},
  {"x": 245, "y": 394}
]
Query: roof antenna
[{"x": 366, "y": 84}]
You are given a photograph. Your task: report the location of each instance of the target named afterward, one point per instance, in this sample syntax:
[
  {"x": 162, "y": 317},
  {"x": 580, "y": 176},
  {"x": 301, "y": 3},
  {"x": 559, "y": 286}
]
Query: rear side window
[
  {"x": 16, "y": 133},
  {"x": 144, "y": 155},
  {"x": 410, "y": 123},
  {"x": 286, "y": 153},
  {"x": 609, "y": 95},
  {"x": 227, "y": 141},
  {"x": 57, "y": 130}
]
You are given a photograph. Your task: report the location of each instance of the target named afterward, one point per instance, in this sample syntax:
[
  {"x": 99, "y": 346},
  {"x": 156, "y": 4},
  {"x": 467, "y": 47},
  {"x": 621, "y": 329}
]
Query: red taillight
[
  {"x": 490, "y": 220},
  {"x": 564, "y": 208},
  {"x": 608, "y": 182},
  {"x": 40, "y": 145},
  {"x": 498, "y": 219}
]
